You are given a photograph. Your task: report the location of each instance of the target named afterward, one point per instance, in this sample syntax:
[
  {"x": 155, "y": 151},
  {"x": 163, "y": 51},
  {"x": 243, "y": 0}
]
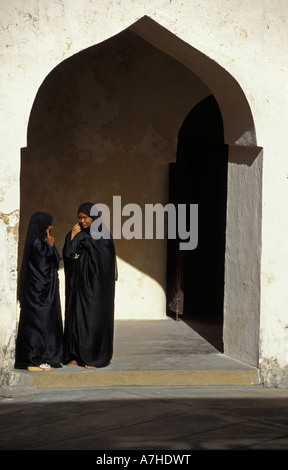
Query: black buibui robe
[
  {"x": 89, "y": 307},
  {"x": 40, "y": 331}
]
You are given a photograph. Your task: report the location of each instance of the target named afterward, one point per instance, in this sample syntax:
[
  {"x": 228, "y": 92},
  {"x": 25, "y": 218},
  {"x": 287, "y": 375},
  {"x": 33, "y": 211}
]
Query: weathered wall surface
[
  {"x": 243, "y": 253},
  {"x": 247, "y": 39},
  {"x": 104, "y": 126}
]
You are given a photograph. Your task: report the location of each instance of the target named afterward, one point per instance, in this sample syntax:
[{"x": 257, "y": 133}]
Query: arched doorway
[
  {"x": 118, "y": 118},
  {"x": 200, "y": 177}
]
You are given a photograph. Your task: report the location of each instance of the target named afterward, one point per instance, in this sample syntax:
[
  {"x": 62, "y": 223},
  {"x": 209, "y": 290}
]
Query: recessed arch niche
[{"x": 105, "y": 122}]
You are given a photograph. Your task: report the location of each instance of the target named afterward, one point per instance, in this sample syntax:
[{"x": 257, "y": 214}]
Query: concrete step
[
  {"x": 160, "y": 352},
  {"x": 113, "y": 378}
]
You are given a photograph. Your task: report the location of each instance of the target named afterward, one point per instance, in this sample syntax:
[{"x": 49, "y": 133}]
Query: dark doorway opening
[{"x": 195, "y": 279}]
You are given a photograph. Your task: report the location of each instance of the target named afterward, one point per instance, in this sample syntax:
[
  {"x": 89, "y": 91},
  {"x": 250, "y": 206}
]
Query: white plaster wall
[{"x": 249, "y": 39}]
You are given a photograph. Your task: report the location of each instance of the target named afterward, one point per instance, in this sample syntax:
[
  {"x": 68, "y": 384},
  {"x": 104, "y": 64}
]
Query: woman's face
[{"x": 84, "y": 220}]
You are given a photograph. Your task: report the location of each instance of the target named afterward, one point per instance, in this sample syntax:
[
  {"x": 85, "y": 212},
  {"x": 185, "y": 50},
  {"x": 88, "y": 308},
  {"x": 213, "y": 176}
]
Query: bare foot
[{"x": 72, "y": 364}]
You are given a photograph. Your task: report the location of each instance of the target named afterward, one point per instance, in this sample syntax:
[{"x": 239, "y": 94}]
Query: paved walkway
[
  {"x": 75, "y": 411},
  {"x": 142, "y": 419}
]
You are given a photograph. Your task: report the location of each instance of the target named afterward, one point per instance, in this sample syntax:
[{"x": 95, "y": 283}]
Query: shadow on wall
[{"x": 105, "y": 123}]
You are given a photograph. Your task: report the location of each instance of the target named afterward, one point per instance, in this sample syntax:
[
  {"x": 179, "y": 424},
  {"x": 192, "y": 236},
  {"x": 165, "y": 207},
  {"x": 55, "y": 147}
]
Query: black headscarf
[
  {"x": 38, "y": 224},
  {"x": 85, "y": 208}
]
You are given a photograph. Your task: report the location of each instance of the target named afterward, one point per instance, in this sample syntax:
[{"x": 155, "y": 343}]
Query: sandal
[
  {"x": 42, "y": 367},
  {"x": 89, "y": 367}
]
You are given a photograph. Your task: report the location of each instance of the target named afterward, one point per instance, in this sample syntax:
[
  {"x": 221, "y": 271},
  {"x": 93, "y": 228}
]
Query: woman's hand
[
  {"x": 76, "y": 229},
  {"x": 49, "y": 239}
]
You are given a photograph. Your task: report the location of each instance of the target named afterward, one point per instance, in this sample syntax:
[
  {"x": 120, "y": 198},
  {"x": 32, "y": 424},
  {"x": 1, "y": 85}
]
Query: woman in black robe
[
  {"x": 39, "y": 343},
  {"x": 90, "y": 287}
]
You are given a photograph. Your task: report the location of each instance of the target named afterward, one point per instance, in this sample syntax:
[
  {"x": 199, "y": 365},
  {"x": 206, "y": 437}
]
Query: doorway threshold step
[
  {"x": 63, "y": 378},
  {"x": 154, "y": 353}
]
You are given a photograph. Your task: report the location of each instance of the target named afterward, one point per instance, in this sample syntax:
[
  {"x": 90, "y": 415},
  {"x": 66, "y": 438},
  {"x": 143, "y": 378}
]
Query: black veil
[{"x": 39, "y": 222}]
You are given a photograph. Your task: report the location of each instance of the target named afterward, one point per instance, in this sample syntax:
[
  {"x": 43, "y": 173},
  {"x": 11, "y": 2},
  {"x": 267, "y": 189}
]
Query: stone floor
[{"x": 161, "y": 352}]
